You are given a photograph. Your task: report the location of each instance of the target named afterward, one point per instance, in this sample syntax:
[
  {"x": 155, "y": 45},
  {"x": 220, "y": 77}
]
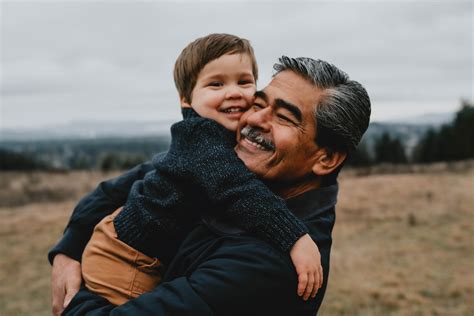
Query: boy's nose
[{"x": 233, "y": 92}]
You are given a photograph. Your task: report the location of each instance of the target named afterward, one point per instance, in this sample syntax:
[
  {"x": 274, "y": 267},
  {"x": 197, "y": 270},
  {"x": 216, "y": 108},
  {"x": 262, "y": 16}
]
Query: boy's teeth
[{"x": 232, "y": 110}]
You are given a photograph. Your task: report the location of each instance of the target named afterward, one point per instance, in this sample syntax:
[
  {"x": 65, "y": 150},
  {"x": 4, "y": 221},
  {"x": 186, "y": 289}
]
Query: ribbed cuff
[
  {"x": 283, "y": 230},
  {"x": 131, "y": 227},
  {"x": 72, "y": 244}
]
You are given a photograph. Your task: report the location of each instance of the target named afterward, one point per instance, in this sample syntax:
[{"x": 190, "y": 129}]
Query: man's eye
[
  {"x": 257, "y": 106},
  {"x": 215, "y": 84},
  {"x": 284, "y": 118}
]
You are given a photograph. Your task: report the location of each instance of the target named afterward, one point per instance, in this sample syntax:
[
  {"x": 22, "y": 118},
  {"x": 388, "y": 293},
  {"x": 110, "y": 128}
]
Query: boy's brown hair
[{"x": 203, "y": 50}]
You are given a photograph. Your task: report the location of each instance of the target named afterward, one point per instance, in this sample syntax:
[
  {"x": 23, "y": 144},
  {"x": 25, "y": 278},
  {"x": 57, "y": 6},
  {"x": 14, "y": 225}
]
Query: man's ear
[
  {"x": 184, "y": 103},
  {"x": 327, "y": 161}
]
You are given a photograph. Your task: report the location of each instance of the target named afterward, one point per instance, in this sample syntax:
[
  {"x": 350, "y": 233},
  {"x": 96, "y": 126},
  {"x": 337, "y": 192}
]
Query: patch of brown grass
[
  {"x": 30, "y": 226},
  {"x": 22, "y": 188},
  {"x": 403, "y": 246},
  {"x": 402, "y": 242}
]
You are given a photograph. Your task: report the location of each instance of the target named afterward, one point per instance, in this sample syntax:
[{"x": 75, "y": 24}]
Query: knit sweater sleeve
[{"x": 202, "y": 153}]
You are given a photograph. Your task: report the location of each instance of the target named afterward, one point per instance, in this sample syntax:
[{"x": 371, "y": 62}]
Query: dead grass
[
  {"x": 403, "y": 243},
  {"x": 28, "y": 230},
  {"x": 403, "y": 246}
]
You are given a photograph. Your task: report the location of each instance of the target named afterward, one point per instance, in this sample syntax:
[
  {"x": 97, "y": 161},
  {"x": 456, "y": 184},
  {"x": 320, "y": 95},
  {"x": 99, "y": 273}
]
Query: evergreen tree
[
  {"x": 10, "y": 160},
  {"x": 110, "y": 162},
  {"x": 454, "y": 141},
  {"x": 388, "y": 150},
  {"x": 360, "y": 157},
  {"x": 464, "y": 131},
  {"x": 426, "y": 150}
]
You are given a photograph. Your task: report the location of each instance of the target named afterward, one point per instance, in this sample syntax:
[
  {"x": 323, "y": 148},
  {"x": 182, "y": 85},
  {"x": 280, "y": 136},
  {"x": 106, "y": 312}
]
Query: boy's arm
[
  {"x": 91, "y": 209},
  {"x": 202, "y": 152}
]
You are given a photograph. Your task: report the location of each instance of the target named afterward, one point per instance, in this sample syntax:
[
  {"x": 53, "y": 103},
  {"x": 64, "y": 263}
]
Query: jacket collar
[{"x": 313, "y": 202}]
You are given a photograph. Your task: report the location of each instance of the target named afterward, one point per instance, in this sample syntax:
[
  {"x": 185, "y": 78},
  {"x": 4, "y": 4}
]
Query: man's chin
[
  {"x": 244, "y": 154},
  {"x": 240, "y": 153},
  {"x": 253, "y": 158}
]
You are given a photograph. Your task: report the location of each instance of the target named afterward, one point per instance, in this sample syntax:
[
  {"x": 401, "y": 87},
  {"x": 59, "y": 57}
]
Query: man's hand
[
  {"x": 307, "y": 261},
  {"x": 65, "y": 282}
]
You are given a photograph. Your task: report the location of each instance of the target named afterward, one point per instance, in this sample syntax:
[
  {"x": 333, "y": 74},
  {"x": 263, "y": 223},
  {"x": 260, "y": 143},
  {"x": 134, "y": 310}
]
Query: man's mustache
[{"x": 255, "y": 135}]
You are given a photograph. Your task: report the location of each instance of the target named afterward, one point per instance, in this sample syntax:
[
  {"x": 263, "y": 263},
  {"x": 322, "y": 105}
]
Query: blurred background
[{"x": 87, "y": 91}]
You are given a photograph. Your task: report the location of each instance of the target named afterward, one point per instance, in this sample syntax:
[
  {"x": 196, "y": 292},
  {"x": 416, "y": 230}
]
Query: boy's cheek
[{"x": 251, "y": 99}]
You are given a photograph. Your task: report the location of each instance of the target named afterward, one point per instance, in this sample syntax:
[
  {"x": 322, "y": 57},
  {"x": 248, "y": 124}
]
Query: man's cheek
[{"x": 244, "y": 116}]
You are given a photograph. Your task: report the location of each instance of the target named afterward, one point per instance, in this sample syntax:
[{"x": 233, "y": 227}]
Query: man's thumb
[{"x": 70, "y": 292}]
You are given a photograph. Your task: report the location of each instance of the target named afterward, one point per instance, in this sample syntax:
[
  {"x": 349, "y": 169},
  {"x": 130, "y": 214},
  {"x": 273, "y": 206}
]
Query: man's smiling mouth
[{"x": 254, "y": 137}]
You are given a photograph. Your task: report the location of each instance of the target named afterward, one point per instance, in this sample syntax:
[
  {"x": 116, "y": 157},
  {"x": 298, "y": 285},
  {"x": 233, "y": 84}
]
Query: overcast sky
[{"x": 112, "y": 61}]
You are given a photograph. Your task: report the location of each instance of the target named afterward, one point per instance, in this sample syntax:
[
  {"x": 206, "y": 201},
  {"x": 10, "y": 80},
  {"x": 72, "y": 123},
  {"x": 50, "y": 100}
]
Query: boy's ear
[
  {"x": 327, "y": 161},
  {"x": 184, "y": 103}
]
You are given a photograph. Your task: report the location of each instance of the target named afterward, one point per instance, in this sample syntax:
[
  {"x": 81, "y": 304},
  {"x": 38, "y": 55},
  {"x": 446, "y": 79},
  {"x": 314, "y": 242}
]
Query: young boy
[{"x": 215, "y": 76}]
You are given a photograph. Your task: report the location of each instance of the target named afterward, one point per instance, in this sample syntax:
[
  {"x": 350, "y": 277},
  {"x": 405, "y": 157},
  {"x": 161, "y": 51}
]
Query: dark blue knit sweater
[{"x": 201, "y": 169}]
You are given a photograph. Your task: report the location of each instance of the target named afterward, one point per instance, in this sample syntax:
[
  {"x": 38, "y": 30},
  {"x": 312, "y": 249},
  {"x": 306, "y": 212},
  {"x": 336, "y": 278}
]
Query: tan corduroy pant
[{"x": 113, "y": 269}]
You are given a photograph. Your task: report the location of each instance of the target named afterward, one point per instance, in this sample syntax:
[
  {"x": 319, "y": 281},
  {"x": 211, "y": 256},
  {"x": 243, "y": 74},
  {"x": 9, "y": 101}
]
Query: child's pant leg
[{"x": 113, "y": 269}]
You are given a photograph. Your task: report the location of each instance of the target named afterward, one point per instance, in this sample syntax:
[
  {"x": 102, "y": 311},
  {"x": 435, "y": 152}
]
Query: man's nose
[{"x": 261, "y": 119}]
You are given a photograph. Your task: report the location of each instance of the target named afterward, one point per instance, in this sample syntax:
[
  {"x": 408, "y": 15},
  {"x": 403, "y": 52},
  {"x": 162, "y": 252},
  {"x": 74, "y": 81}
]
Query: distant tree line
[
  {"x": 113, "y": 161},
  {"x": 17, "y": 161},
  {"x": 98, "y": 154},
  {"x": 109, "y": 161},
  {"x": 387, "y": 149},
  {"x": 453, "y": 141}
]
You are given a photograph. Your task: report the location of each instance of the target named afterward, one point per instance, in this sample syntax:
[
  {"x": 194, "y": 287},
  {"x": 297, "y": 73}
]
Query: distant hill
[
  {"x": 408, "y": 130},
  {"x": 121, "y": 152},
  {"x": 88, "y": 130},
  {"x": 408, "y": 127},
  {"x": 434, "y": 119},
  {"x": 408, "y": 134},
  {"x": 85, "y": 145}
]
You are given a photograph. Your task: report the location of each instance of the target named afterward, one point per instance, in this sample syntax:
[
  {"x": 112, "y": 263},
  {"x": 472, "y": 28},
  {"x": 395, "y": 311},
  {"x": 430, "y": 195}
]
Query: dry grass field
[{"x": 403, "y": 242}]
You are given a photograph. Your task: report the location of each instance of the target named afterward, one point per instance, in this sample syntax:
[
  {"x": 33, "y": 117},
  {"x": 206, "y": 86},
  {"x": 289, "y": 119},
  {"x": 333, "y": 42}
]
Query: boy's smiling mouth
[{"x": 233, "y": 110}]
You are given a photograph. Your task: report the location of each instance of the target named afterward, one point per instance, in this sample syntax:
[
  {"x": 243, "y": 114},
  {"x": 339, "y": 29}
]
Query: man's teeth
[
  {"x": 254, "y": 144},
  {"x": 232, "y": 110},
  {"x": 254, "y": 138}
]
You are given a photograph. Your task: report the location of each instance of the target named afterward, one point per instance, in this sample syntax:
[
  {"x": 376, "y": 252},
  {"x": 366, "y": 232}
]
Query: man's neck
[{"x": 287, "y": 191}]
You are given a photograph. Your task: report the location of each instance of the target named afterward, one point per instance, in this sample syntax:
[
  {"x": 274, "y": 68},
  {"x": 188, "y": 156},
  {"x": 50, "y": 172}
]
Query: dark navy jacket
[{"x": 218, "y": 270}]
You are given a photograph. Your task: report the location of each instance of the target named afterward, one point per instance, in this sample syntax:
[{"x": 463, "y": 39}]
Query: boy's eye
[
  {"x": 215, "y": 84},
  {"x": 244, "y": 82}
]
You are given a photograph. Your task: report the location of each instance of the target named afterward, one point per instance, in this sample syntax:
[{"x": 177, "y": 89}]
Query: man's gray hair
[{"x": 343, "y": 113}]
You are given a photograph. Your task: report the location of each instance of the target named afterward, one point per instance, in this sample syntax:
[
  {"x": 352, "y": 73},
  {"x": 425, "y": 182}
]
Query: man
[{"x": 313, "y": 116}]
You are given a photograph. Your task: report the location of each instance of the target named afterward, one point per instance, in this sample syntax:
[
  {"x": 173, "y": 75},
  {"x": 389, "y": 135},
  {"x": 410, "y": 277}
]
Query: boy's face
[{"x": 224, "y": 90}]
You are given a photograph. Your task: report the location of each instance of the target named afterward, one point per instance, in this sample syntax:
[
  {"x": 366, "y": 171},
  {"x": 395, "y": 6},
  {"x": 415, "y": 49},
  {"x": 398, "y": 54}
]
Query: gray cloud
[{"x": 113, "y": 60}]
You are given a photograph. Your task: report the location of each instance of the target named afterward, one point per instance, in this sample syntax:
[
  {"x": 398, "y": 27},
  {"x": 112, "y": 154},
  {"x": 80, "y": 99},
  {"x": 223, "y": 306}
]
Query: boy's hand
[
  {"x": 307, "y": 261},
  {"x": 65, "y": 282}
]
